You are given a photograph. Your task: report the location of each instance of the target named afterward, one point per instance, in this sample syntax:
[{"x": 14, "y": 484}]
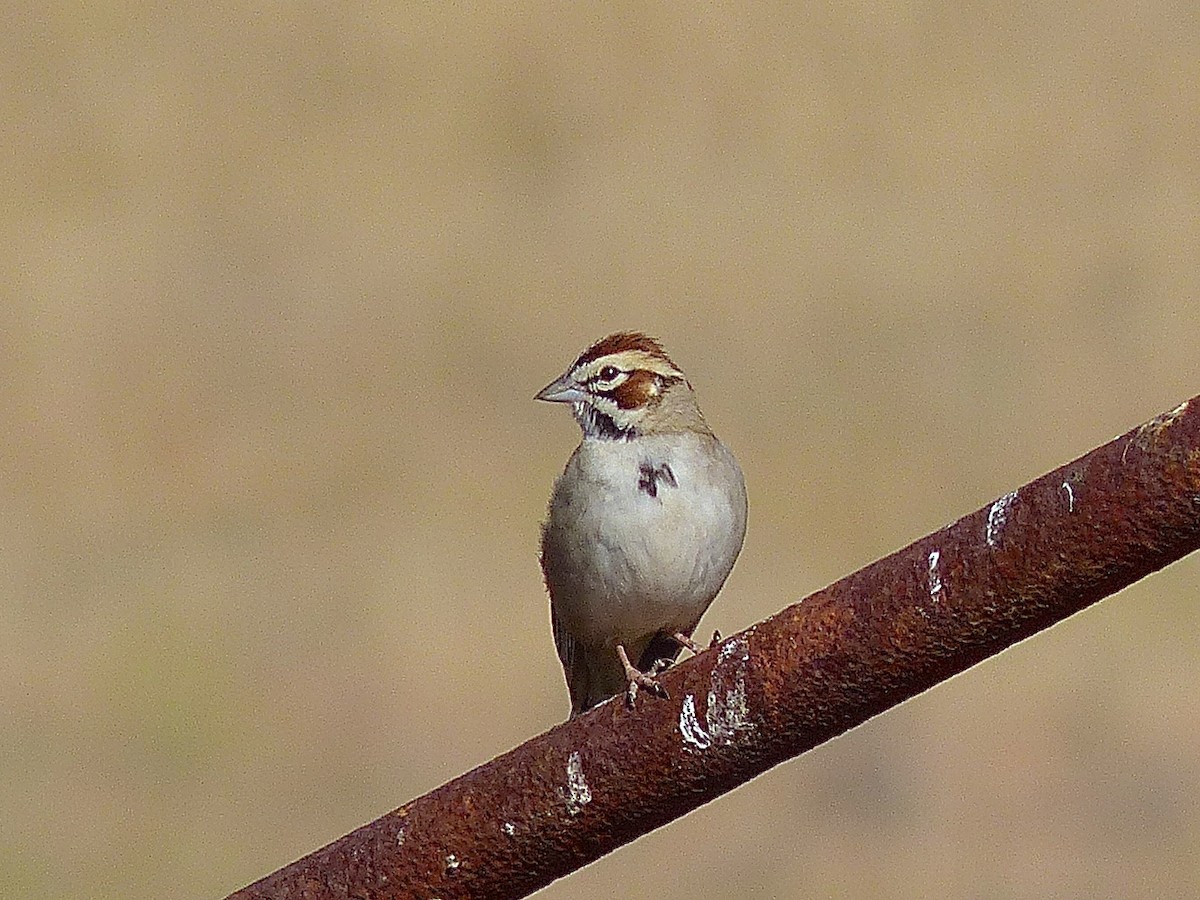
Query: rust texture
[{"x": 814, "y": 670}]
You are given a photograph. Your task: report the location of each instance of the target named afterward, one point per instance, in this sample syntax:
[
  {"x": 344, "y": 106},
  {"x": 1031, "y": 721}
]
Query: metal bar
[{"x": 814, "y": 670}]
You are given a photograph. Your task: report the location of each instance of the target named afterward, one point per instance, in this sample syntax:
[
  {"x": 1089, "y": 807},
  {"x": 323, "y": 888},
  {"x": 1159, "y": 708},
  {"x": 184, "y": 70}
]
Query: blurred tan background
[{"x": 279, "y": 285}]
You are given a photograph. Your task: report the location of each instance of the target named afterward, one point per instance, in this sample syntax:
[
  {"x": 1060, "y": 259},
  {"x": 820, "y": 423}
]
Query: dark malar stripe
[{"x": 602, "y": 425}]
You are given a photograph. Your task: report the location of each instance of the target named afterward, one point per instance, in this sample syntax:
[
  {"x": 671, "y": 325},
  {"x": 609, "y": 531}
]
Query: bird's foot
[
  {"x": 684, "y": 640},
  {"x": 637, "y": 679}
]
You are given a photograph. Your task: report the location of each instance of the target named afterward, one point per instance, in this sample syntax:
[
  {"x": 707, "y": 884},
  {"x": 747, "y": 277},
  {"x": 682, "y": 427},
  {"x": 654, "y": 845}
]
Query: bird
[{"x": 644, "y": 523}]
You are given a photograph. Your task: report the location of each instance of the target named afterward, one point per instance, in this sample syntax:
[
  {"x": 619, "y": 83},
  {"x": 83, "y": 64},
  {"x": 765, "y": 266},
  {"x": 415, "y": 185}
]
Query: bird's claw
[
  {"x": 684, "y": 640},
  {"x": 642, "y": 680},
  {"x": 635, "y": 678}
]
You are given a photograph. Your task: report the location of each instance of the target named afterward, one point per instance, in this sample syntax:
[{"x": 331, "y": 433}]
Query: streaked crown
[{"x": 624, "y": 386}]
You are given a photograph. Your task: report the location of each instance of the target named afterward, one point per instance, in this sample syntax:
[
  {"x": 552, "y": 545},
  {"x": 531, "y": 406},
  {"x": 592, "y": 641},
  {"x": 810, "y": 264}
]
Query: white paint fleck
[
  {"x": 509, "y": 828},
  {"x": 736, "y": 645},
  {"x": 997, "y": 516},
  {"x": 935, "y": 577},
  {"x": 726, "y": 712},
  {"x": 452, "y": 863},
  {"x": 399, "y": 837},
  {"x": 578, "y": 794},
  {"x": 693, "y": 732},
  {"x": 1070, "y": 496}
]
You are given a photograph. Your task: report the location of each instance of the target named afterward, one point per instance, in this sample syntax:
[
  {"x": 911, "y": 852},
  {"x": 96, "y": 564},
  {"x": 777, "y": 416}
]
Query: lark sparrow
[{"x": 644, "y": 524}]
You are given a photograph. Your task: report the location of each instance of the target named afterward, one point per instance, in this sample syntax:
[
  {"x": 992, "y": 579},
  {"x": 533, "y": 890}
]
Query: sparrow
[{"x": 644, "y": 523}]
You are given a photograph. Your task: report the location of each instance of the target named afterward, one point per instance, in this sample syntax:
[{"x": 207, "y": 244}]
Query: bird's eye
[{"x": 608, "y": 373}]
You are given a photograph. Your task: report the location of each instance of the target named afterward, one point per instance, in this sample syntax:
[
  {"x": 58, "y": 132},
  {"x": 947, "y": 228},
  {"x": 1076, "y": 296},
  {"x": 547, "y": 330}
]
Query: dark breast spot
[{"x": 650, "y": 477}]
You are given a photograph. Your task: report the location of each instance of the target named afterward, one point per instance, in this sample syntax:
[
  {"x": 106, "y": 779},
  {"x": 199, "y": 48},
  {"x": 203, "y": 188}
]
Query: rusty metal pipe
[{"x": 814, "y": 670}]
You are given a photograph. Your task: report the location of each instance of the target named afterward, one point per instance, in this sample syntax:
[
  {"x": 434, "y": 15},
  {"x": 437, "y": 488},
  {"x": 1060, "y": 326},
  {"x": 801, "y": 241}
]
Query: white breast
[{"x": 623, "y": 562}]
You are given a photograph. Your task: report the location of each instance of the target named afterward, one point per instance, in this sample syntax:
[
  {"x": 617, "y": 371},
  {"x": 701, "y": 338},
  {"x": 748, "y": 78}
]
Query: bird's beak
[{"x": 561, "y": 390}]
